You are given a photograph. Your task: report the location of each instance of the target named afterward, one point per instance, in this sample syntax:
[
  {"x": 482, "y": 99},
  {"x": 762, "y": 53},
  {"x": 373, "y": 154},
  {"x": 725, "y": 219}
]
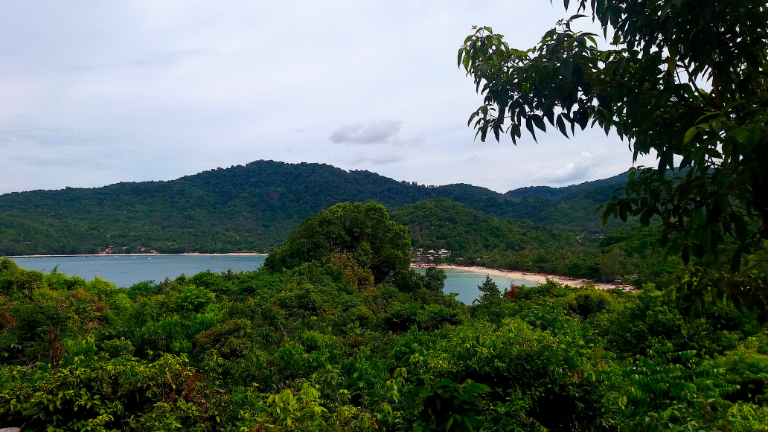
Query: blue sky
[{"x": 94, "y": 93}]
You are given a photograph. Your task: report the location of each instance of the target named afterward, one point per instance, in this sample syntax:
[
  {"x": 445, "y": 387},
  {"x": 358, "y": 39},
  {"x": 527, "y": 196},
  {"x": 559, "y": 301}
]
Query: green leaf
[
  {"x": 610, "y": 209},
  {"x": 583, "y": 118},
  {"x": 645, "y": 217},
  {"x": 561, "y": 126},
  {"x": 689, "y": 134},
  {"x": 472, "y": 117},
  {"x": 529, "y": 126}
]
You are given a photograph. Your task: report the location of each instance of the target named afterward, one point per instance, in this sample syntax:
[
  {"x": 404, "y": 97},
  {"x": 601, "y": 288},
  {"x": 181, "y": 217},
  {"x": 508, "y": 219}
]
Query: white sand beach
[{"x": 534, "y": 277}]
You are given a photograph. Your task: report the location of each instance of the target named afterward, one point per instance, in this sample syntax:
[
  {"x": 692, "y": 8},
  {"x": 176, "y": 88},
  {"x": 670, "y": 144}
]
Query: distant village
[{"x": 418, "y": 257}]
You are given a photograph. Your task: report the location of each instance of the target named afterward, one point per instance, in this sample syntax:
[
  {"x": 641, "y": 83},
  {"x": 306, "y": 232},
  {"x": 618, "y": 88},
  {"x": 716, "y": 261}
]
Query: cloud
[
  {"x": 376, "y": 132},
  {"x": 382, "y": 159},
  {"x": 412, "y": 141},
  {"x": 154, "y": 90},
  {"x": 571, "y": 173}
]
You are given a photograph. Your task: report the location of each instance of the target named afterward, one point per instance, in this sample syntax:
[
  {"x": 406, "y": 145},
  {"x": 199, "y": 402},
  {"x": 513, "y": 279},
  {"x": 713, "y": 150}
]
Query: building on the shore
[{"x": 418, "y": 256}]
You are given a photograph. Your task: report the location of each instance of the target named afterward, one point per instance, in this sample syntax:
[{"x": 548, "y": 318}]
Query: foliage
[
  {"x": 322, "y": 346},
  {"x": 362, "y": 231},
  {"x": 479, "y": 238},
  {"x": 250, "y": 207},
  {"x": 610, "y": 265},
  {"x": 682, "y": 80}
]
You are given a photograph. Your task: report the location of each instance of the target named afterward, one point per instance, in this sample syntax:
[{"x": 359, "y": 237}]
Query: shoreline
[
  {"x": 531, "y": 277},
  {"x": 138, "y": 254},
  {"x": 512, "y": 274}
]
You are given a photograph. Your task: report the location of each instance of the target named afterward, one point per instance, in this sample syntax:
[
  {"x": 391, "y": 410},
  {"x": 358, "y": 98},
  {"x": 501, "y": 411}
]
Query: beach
[{"x": 534, "y": 277}]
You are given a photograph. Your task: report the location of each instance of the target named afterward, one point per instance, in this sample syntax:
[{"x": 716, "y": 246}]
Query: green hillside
[
  {"x": 249, "y": 207},
  {"x": 239, "y": 208},
  {"x": 314, "y": 341},
  {"x": 477, "y": 237}
]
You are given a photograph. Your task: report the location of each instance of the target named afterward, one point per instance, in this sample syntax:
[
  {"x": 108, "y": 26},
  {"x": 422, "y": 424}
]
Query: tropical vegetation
[
  {"x": 252, "y": 208},
  {"x": 337, "y": 333},
  {"x": 338, "y": 340},
  {"x": 683, "y": 80}
]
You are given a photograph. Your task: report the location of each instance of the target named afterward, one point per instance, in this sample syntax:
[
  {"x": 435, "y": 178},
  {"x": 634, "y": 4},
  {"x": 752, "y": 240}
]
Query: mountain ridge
[{"x": 244, "y": 207}]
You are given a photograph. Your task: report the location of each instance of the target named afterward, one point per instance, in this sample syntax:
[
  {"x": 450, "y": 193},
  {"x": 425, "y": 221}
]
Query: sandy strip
[{"x": 533, "y": 277}]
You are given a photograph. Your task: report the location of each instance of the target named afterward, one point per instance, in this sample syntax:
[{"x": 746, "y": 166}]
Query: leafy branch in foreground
[{"x": 683, "y": 80}]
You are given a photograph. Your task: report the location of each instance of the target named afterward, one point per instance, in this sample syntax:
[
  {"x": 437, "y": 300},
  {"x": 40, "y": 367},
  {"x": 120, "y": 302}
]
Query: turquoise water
[
  {"x": 465, "y": 283},
  {"x": 125, "y": 271}
]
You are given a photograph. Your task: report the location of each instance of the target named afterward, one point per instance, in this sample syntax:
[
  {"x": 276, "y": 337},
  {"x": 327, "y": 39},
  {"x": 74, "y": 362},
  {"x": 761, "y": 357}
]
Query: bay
[
  {"x": 127, "y": 270},
  {"x": 466, "y": 283}
]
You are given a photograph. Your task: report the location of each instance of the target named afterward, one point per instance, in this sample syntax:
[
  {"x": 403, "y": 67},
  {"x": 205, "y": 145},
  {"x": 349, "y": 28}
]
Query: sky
[{"x": 96, "y": 93}]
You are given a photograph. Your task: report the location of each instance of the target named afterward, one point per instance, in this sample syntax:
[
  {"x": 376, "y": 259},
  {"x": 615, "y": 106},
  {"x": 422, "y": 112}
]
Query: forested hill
[
  {"x": 478, "y": 237},
  {"x": 249, "y": 207},
  {"x": 441, "y": 223}
]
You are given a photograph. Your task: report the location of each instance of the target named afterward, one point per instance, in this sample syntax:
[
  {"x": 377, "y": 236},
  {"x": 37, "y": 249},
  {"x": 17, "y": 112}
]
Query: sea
[
  {"x": 465, "y": 283},
  {"x": 127, "y": 270}
]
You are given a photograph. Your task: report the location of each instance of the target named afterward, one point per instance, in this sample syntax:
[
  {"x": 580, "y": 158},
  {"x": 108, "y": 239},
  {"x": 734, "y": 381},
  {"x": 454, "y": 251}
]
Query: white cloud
[
  {"x": 156, "y": 90},
  {"x": 572, "y": 172},
  {"x": 375, "y": 132}
]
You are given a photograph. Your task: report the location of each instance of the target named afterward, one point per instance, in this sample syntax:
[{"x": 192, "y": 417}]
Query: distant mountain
[
  {"x": 441, "y": 223},
  {"x": 550, "y": 192},
  {"x": 571, "y": 207},
  {"x": 249, "y": 207}
]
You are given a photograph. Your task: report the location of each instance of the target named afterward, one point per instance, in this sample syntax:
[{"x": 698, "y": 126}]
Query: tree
[
  {"x": 610, "y": 265},
  {"x": 491, "y": 292},
  {"x": 435, "y": 280},
  {"x": 682, "y": 78},
  {"x": 360, "y": 230}
]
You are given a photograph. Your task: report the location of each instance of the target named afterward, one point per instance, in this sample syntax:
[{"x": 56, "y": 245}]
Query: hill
[
  {"x": 478, "y": 237},
  {"x": 248, "y": 207},
  {"x": 571, "y": 207}
]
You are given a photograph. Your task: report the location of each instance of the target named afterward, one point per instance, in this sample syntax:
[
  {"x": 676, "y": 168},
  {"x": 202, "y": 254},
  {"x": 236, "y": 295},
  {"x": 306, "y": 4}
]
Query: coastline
[
  {"x": 513, "y": 274},
  {"x": 532, "y": 277},
  {"x": 138, "y": 254}
]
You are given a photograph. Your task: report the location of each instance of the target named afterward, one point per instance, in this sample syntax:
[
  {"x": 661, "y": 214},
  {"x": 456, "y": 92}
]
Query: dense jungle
[{"x": 336, "y": 332}]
